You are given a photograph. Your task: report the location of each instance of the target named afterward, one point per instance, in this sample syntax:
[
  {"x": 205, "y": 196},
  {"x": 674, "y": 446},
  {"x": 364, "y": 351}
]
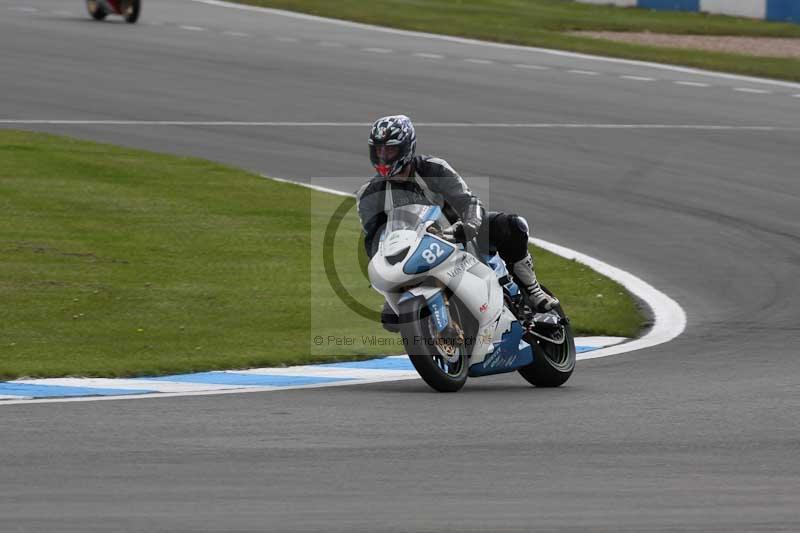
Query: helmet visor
[{"x": 387, "y": 154}]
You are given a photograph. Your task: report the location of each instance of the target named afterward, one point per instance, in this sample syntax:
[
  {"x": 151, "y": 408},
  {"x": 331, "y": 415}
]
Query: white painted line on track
[
  {"x": 503, "y": 46},
  {"x": 330, "y": 44},
  {"x": 127, "y": 384},
  {"x": 378, "y": 50},
  {"x": 692, "y": 83},
  {"x": 583, "y": 72},
  {"x": 286, "y": 39},
  {"x": 236, "y": 34},
  {"x": 637, "y": 78},
  {"x": 530, "y": 67},
  {"x": 752, "y": 91},
  {"x": 311, "y": 186},
  {"x": 391, "y": 368},
  {"x": 333, "y": 372},
  {"x": 425, "y": 55},
  {"x": 668, "y": 316},
  {"x": 24, "y": 9},
  {"x": 497, "y": 125},
  {"x": 479, "y": 61},
  {"x": 192, "y": 28},
  {"x": 602, "y": 340},
  {"x": 240, "y": 390},
  {"x": 63, "y": 13}
]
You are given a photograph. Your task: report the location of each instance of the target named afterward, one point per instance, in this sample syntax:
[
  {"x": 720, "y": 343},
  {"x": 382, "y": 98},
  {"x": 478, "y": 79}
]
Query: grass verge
[
  {"x": 117, "y": 262},
  {"x": 543, "y": 23}
]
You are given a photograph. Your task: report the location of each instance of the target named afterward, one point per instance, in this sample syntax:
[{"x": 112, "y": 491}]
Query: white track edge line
[
  {"x": 243, "y": 390},
  {"x": 360, "y": 377},
  {"x": 669, "y": 318},
  {"x": 464, "y": 40},
  {"x": 360, "y": 380}
]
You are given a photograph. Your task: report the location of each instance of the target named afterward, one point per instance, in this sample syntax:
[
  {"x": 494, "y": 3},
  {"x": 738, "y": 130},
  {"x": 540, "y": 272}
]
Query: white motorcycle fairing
[{"x": 405, "y": 258}]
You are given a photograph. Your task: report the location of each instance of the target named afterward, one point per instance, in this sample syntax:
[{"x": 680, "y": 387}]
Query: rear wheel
[
  {"x": 440, "y": 358},
  {"x": 553, "y": 353},
  {"x": 95, "y": 10}
]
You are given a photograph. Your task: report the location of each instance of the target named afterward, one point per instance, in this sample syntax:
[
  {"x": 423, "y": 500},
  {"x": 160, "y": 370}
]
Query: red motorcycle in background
[{"x": 128, "y": 9}]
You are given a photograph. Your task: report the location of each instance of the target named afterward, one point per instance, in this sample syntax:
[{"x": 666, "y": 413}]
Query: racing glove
[{"x": 472, "y": 219}]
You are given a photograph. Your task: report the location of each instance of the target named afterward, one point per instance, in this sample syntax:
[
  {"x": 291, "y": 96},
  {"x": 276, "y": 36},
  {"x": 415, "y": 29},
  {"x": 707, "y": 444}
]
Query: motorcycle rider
[{"x": 406, "y": 178}]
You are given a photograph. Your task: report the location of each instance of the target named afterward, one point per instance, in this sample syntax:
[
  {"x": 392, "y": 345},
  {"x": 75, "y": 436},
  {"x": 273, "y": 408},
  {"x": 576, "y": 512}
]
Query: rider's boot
[{"x": 532, "y": 292}]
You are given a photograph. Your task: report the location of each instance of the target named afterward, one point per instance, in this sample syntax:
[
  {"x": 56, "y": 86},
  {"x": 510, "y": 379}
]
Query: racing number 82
[{"x": 432, "y": 253}]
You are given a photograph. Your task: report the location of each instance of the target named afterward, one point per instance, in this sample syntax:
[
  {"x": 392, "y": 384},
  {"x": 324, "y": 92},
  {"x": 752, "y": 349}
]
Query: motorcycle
[
  {"x": 128, "y": 9},
  {"x": 460, "y": 314}
]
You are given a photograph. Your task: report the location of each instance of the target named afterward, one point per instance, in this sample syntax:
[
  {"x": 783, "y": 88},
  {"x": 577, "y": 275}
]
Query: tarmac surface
[{"x": 700, "y": 434}]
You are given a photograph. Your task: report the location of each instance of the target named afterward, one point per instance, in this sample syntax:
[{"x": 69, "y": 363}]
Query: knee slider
[{"x": 519, "y": 224}]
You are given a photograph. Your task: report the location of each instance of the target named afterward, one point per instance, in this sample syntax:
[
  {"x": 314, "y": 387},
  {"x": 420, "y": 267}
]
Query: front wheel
[
  {"x": 553, "y": 353},
  {"x": 95, "y": 10},
  {"x": 131, "y": 10},
  {"x": 440, "y": 358}
]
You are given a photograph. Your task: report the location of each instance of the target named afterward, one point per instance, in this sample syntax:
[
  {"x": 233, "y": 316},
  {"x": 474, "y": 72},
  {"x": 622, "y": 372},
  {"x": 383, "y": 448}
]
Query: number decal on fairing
[
  {"x": 433, "y": 252},
  {"x": 429, "y": 254}
]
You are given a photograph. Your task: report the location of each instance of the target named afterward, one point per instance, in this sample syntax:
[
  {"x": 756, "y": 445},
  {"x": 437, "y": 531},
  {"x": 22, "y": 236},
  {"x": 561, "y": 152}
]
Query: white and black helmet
[{"x": 392, "y": 131}]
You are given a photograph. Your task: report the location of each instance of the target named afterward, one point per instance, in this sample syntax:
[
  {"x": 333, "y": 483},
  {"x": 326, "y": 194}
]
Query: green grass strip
[
  {"x": 542, "y": 23},
  {"x": 118, "y": 262}
]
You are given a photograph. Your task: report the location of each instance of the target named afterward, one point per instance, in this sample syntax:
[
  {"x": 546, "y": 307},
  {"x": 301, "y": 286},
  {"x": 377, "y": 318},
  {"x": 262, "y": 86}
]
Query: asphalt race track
[{"x": 699, "y": 434}]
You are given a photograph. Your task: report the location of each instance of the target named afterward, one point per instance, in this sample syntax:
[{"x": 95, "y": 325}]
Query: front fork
[{"x": 450, "y": 334}]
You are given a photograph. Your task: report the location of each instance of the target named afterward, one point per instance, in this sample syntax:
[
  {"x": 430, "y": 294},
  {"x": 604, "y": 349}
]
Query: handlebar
[{"x": 454, "y": 234}]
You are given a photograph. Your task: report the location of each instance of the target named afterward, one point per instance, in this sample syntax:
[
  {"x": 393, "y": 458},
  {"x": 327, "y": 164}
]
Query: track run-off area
[{"x": 686, "y": 179}]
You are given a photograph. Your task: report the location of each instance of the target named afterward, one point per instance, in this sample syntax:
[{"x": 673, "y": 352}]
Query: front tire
[
  {"x": 442, "y": 362},
  {"x": 95, "y": 10},
  {"x": 553, "y": 362},
  {"x": 131, "y": 10}
]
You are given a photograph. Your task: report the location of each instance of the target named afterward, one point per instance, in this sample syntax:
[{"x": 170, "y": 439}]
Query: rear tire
[
  {"x": 553, "y": 363},
  {"x": 95, "y": 10},
  {"x": 443, "y": 367}
]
